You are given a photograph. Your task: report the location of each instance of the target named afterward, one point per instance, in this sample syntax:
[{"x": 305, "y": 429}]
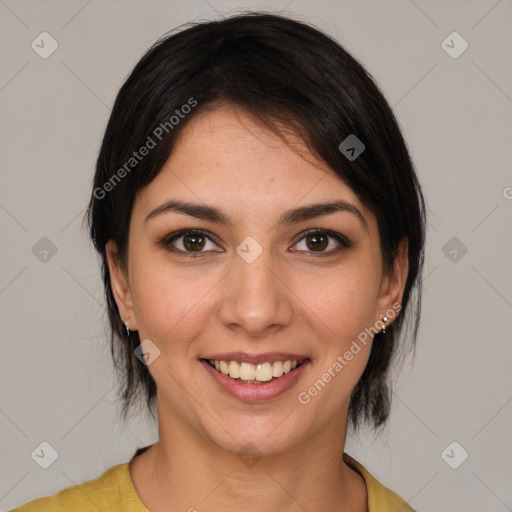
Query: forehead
[{"x": 227, "y": 158}]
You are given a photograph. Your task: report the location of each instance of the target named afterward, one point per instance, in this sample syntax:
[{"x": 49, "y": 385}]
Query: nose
[{"x": 257, "y": 300}]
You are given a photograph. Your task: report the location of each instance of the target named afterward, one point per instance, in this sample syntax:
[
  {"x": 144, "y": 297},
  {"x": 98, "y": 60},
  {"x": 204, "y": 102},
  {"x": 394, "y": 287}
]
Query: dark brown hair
[{"x": 286, "y": 74}]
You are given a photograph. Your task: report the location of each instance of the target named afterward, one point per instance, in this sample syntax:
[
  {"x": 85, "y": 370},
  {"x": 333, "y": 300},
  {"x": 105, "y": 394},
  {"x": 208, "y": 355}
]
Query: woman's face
[{"x": 252, "y": 287}]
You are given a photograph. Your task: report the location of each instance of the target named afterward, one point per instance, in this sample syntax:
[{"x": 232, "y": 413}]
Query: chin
[{"x": 257, "y": 438}]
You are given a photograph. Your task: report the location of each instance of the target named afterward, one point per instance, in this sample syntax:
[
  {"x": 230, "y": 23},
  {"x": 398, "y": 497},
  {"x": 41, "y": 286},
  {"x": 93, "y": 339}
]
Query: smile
[{"x": 254, "y": 373}]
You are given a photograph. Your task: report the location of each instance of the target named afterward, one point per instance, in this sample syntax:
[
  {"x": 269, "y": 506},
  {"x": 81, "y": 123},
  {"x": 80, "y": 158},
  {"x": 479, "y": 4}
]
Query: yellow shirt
[{"x": 113, "y": 491}]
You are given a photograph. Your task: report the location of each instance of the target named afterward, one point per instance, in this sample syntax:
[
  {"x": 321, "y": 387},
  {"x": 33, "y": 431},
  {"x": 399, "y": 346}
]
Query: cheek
[
  {"x": 341, "y": 311},
  {"x": 342, "y": 301},
  {"x": 166, "y": 301}
]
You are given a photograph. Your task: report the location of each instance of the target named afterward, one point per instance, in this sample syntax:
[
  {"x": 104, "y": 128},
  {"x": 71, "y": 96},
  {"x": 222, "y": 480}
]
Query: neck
[{"x": 192, "y": 473}]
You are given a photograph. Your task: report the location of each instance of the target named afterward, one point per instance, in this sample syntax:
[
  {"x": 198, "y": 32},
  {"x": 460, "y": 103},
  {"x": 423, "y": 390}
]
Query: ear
[
  {"x": 393, "y": 284},
  {"x": 120, "y": 286}
]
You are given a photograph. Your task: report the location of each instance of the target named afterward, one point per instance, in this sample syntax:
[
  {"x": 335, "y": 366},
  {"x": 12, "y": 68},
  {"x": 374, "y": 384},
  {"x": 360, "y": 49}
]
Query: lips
[
  {"x": 263, "y": 385},
  {"x": 245, "y": 357},
  {"x": 247, "y": 372}
]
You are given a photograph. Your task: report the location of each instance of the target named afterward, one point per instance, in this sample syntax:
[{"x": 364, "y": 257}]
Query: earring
[
  {"x": 127, "y": 328},
  {"x": 384, "y": 320}
]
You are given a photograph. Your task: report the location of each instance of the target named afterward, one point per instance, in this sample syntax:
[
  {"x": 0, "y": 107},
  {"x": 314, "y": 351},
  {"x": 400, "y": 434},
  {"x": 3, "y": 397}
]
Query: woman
[{"x": 261, "y": 231}]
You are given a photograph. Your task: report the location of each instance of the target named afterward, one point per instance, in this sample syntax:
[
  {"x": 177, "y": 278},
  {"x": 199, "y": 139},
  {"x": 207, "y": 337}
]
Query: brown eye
[
  {"x": 193, "y": 242},
  {"x": 318, "y": 242},
  {"x": 189, "y": 242}
]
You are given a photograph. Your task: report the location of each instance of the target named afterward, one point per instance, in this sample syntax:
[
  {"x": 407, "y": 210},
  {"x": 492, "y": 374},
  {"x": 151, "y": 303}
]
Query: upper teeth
[{"x": 246, "y": 371}]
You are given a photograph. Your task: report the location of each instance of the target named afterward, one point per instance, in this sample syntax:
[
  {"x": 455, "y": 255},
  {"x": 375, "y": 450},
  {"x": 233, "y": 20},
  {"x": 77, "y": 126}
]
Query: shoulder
[
  {"x": 380, "y": 497},
  {"x": 112, "y": 491}
]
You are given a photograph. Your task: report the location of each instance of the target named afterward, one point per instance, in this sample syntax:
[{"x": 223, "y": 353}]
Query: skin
[{"x": 220, "y": 303}]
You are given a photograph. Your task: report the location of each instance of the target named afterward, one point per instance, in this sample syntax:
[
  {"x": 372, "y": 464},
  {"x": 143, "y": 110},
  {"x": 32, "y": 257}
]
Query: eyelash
[{"x": 166, "y": 242}]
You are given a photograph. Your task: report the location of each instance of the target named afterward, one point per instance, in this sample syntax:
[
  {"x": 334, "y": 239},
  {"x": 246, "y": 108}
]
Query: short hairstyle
[{"x": 289, "y": 76}]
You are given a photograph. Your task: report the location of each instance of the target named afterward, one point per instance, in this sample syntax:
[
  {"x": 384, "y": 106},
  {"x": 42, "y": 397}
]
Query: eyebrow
[{"x": 294, "y": 216}]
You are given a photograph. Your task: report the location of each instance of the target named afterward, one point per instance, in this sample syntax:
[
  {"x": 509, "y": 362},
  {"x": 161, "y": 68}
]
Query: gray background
[{"x": 57, "y": 383}]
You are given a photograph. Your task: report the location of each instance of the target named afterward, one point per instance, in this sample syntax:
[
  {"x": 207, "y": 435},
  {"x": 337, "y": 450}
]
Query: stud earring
[{"x": 384, "y": 320}]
